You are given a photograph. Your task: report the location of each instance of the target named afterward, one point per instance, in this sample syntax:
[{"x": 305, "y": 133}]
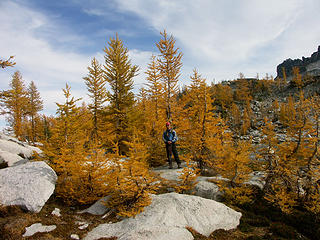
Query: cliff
[{"x": 307, "y": 65}]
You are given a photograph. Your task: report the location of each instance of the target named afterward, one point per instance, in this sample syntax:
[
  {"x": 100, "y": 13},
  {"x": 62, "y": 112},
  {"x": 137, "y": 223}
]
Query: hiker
[{"x": 170, "y": 137}]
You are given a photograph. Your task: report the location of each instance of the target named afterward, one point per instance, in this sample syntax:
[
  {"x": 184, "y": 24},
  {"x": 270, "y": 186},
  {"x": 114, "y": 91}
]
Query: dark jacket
[{"x": 169, "y": 135}]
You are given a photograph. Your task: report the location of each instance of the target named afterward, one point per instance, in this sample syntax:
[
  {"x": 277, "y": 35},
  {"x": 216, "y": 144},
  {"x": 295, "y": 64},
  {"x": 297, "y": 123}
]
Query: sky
[{"x": 54, "y": 41}]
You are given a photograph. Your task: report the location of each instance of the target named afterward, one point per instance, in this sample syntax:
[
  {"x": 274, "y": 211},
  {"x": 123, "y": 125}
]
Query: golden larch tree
[
  {"x": 15, "y": 102},
  {"x": 35, "y": 105},
  {"x": 119, "y": 73},
  {"x": 7, "y": 63},
  {"x": 154, "y": 114},
  {"x": 169, "y": 66},
  {"x": 95, "y": 83},
  {"x": 130, "y": 183}
]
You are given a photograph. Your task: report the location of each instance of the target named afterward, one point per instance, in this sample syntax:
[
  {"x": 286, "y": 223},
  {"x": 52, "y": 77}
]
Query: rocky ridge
[{"x": 307, "y": 65}]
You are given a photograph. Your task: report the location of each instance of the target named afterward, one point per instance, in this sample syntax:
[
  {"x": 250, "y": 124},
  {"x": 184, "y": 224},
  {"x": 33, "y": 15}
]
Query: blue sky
[{"x": 54, "y": 41}]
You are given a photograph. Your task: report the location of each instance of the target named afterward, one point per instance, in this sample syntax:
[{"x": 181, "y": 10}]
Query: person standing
[{"x": 170, "y": 138}]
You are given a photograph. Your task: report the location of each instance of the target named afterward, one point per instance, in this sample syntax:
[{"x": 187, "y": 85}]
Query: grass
[{"x": 13, "y": 222}]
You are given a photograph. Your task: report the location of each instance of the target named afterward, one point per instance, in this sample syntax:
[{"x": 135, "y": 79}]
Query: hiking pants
[{"x": 171, "y": 148}]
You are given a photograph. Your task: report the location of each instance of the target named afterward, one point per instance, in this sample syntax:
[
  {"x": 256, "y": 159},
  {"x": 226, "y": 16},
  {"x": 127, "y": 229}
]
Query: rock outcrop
[
  {"x": 13, "y": 151},
  {"x": 310, "y": 65},
  {"x": 97, "y": 208},
  {"x": 167, "y": 218},
  {"x": 27, "y": 185}
]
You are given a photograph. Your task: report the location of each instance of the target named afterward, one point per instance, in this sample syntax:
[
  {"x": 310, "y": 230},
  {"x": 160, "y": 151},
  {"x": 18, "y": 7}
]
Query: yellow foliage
[
  {"x": 81, "y": 175},
  {"x": 223, "y": 96},
  {"x": 292, "y": 176},
  {"x": 297, "y": 78},
  {"x": 119, "y": 73},
  {"x": 233, "y": 162},
  {"x": 169, "y": 64},
  {"x": 238, "y": 195},
  {"x": 95, "y": 83},
  {"x": 7, "y": 63},
  {"x": 14, "y": 101},
  {"x": 235, "y": 116},
  {"x": 242, "y": 93},
  {"x": 188, "y": 177},
  {"x": 130, "y": 183},
  {"x": 152, "y": 114},
  {"x": 199, "y": 129}
]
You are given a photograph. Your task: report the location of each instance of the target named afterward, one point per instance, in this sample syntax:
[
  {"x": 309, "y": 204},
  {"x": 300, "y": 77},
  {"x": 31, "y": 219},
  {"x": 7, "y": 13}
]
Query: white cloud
[
  {"x": 49, "y": 67},
  {"x": 222, "y": 38},
  {"x": 141, "y": 59}
]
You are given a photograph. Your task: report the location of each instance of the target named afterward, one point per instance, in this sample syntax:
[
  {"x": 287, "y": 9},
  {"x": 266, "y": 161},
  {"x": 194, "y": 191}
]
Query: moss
[{"x": 282, "y": 230}]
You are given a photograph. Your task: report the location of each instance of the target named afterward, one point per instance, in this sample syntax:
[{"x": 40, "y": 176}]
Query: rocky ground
[
  {"x": 43, "y": 216},
  {"x": 257, "y": 222}
]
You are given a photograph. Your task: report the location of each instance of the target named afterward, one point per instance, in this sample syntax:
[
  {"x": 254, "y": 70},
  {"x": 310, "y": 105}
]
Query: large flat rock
[
  {"x": 9, "y": 158},
  {"x": 14, "y": 146},
  {"x": 167, "y": 218},
  {"x": 28, "y": 185}
]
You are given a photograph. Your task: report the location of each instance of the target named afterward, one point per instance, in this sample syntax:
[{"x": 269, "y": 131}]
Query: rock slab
[
  {"x": 38, "y": 227},
  {"x": 97, "y": 208},
  {"x": 28, "y": 185},
  {"x": 167, "y": 218},
  {"x": 207, "y": 190},
  {"x": 13, "y": 151}
]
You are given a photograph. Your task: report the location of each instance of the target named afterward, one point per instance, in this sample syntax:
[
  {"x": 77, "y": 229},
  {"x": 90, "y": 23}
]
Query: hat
[{"x": 167, "y": 124}]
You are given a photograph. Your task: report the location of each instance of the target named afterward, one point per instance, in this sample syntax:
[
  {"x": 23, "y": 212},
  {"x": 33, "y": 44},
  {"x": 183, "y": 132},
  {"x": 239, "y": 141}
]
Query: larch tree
[
  {"x": 169, "y": 66},
  {"x": 35, "y": 104},
  {"x": 7, "y": 63},
  {"x": 81, "y": 169},
  {"x": 15, "y": 102},
  {"x": 197, "y": 124},
  {"x": 155, "y": 88},
  {"x": 292, "y": 174},
  {"x": 95, "y": 83},
  {"x": 119, "y": 73},
  {"x": 130, "y": 182},
  {"x": 155, "y": 116},
  {"x": 297, "y": 78},
  {"x": 242, "y": 94},
  {"x": 223, "y": 97}
]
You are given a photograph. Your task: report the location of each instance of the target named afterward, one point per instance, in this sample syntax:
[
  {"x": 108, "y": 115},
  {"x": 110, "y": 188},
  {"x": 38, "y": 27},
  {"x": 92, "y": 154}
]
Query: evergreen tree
[
  {"x": 169, "y": 66},
  {"x": 35, "y": 104},
  {"x": 155, "y": 88},
  {"x": 80, "y": 165},
  {"x": 95, "y": 83},
  {"x": 119, "y": 73},
  {"x": 130, "y": 183},
  {"x": 198, "y": 126},
  {"x": 292, "y": 174},
  {"x": 14, "y": 102},
  {"x": 154, "y": 114},
  {"x": 68, "y": 115},
  {"x": 7, "y": 63}
]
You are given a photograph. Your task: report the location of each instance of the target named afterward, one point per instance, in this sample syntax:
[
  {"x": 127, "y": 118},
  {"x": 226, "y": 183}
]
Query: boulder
[
  {"x": 97, "y": 208},
  {"x": 13, "y": 151},
  {"x": 207, "y": 190},
  {"x": 257, "y": 179},
  {"x": 169, "y": 174},
  {"x": 13, "y": 145},
  {"x": 167, "y": 218},
  {"x": 9, "y": 158},
  {"x": 28, "y": 185}
]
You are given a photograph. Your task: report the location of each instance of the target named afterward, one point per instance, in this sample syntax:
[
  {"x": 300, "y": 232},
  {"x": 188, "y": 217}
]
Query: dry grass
[{"x": 13, "y": 222}]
